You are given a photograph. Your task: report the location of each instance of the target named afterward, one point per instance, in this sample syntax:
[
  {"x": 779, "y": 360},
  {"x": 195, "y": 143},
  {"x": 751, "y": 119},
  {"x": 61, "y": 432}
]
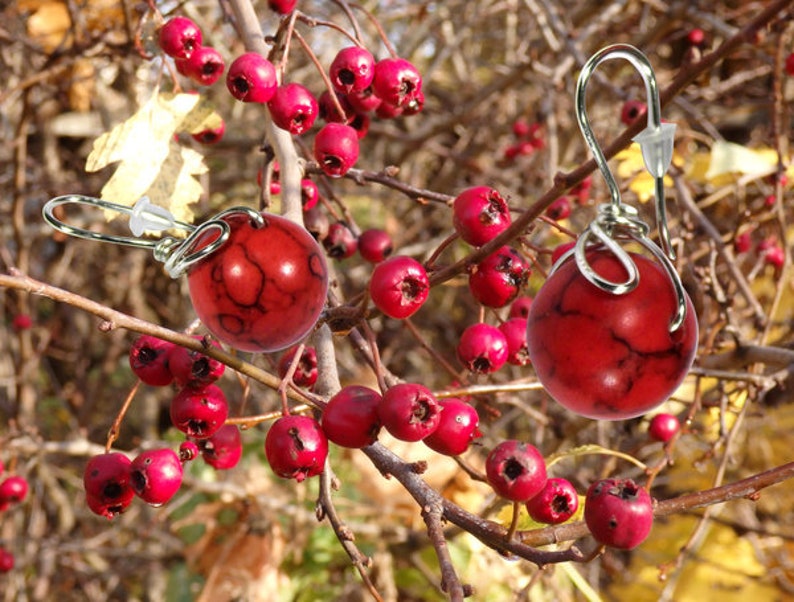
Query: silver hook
[
  {"x": 176, "y": 254},
  {"x": 616, "y": 220}
]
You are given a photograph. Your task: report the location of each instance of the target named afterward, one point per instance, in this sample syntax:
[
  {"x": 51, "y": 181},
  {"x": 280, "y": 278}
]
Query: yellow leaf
[
  {"x": 151, "y": 163},
  {"x": 730, "y": 158},
  {"x": 631, "y": 166}
]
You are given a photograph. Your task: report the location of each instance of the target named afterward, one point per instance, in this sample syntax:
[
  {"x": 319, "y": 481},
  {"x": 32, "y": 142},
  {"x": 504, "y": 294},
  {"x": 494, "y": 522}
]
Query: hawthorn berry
[
  {"x": 282, "y": 7},
  {"x": 179, "y": 37},
  {"x": 556, "y": 502},
  {"x": 609, "y": 356},
  {"x": 156, "y": 475},
  {"x": 210, "y": 136},
  {"x": 192, "y": 368},
  {"x": 13, "y": 490},
  {"x": 479, "y": 214},
  {"x": 252, "y": 78},
  {"x": 336, "y": 108},
  {"x": 482, "y": 348},
  {"x": 619, "y": 513},
  {"x": 499, "y": 278},
  {"x": 350, "y": 419},
  {"x": 293, "y": 108},
  {"x": 204, "y": 66},
  {"x": 632, "y": 110},
  {"x": 310, "y": 194},
  {"x": 188, "y": 451},
  {"x": 340, "y": 242},
  {"x": 374, "y": 245},
  {"x": 519, "y": 308},
  {"x": 6, "y": 560},
  {"x": 409, "y": 411},
  {"x": 336, "y": 149},
  {"x": 22, "y": 322},
  {"x": 352, "y": 69},
  {"x": 559, "y": 209},
  {"x": 515, "y": 470},
  {"x": 396, "y": 81},
  {"x": 663, "y": 427},
  {"x": 296, "y": 447},
  {"x": 399, "y": 286},
  {"x": 457, "y": 428},
  {"x": 106, "y": 480},
  {"x": 264, "y": 289},
  {"x": 305, "y": 374},
  {"x": 149, "y": 360},
  {"x": 364, "y": 101},
  {"x": 790, "y": 64},
  {"x": 199, "y": 412},
  {"x": 223, "y": 449},
  {"x": 515, "y": 333}
]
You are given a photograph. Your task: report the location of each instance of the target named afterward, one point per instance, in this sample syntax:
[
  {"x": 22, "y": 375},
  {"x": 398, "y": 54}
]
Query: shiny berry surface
[
  {"x": 619, "y": 513},
  {"x": 515, "y": 332},
  {"x": 199, "y": 412},
  {"x": 293, "y": 108},
  {"x": 351, "y": 417},
  {"x": 479, "y": 214},
  {"x": 340, "y": 242},
  {"x": 556, "y": 502},
  {"x": 482, "y": 348},
  {"x": 107, "y": 484},
  {"x": 352, "y": 69},
  {"x": 399, "y": 286},
  {"x": 519, "y": 308},
  {"x": 457, "y": 428},
  {"x": 149, "y": 360},
  {"x": 375, "y": 245},
  {"x": 663, "y": 427},
  {"x": 409, "y": 411},
  {"x": 632, "y": 110},
  {"x": 396, "y": 81},
  {"x": 609, "y": 356},
  {"x": 193, "y": 368},
  {"x": 499, "y": 278},
  {"x": 13, "y": 490},
  {"x": 180, "y": 37},
  {"x": 223, "y": 449},
  {"x": 6, "y": 560},
  {"x": 296, "y": 447},
  {"x": 336, "y": 149},
  {"x": 251, "y": 78},
  {"x": 515, "y": 470},
  {"x": 156, "y": 475},
  {"x": 264, "y": 289},
  {"x": 204, "y": 66}
]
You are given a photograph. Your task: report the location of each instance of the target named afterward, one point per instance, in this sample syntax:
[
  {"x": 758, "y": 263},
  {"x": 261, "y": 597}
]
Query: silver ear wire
[
  {"x": 176, "y": 254},
  {"x": 616, "y": 220}
]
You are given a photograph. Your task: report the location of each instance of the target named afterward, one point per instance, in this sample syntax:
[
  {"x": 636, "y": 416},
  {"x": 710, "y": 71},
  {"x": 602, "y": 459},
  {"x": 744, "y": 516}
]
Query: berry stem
[
  {"x": 316, "y": 62},
  {"x": 115, "y": 428}
]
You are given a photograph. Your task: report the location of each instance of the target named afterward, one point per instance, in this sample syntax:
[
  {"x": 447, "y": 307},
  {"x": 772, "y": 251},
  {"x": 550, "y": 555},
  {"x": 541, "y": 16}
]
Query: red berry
[
  {"x": 618, "y": 513},
  {"x": 515, "y": 332},
  {"x": 340, "y": 242},
  {"x": 296, "y": 447},
  {"x": 790, "y": 64},
  {"x": 210, "y": 136},
  {"x": 457, "y": 428},
  {"x": 2, "y": 467},
  {"x": 329, "y": 108},
  {"x": 293, "y": 108},
  {"x": 22, "y": 322},
  {"x": 282, "y": 7},
  {"x": 409, "y": 411},
  {"x": 663, "y": 427},
  {"x": 336, "y": 149},
  {"x": 515, "y": 470},
  {"x": 499, "y": 278},
  {"x": 351, "y": 417},
  {"x": 264, "y": 289},
  {"x": 352, "y": 70},
  {"x": 199, "y": 412},
  {"x": 609, "y": 356},
  {"x": 364, "y": 101},
  {"x": 480, "y": 214},
  {"x": 774, "y": 255},
  {"x": 305, "y": 374},
  {"x": 107, "y": 484},
  {"x": 188, "y": 450},
  {"x": 360, "y": 123},
  {"x": 521, "y": 128},
  {"x": 6, "y": 560},
  {"x": 309, "y": 194},
  {"x": 374, "y": 245},
  {"x": 223, "y": 449},
  {"x": 204, "y": 66},
  {"x": 482, "y": 348},
  {"x": 559, "y": 209},
  {"x": 399, "y": 286},
  {"x": 632, "y": 110},
  {"x": 581, "y": 192},
  {"x": 156, "y": 475},
  {"x": 149, "y": 360},
  {"x": 192, "y": 368},
  {"x": 396, "y": 81},
  {"x": 696, "y": 37},
  {"x": 252, "y": 78},
  {"x": 520, "y": 307},
  {"x": 556, "y": 502},
  {"x": 180, "y": 37},
  {"x": 13, "y": 490}
]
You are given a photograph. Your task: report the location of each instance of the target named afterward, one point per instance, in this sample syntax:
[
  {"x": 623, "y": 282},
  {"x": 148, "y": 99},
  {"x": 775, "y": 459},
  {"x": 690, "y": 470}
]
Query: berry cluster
[{"x": 13, "y": 491}]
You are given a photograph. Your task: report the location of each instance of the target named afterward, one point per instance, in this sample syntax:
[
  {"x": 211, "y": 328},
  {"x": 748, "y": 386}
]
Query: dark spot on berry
[
  {"x": 347, "y": 77},
  {"x": 513, "y": 469},
  {"x": 112, "y": 490}
]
